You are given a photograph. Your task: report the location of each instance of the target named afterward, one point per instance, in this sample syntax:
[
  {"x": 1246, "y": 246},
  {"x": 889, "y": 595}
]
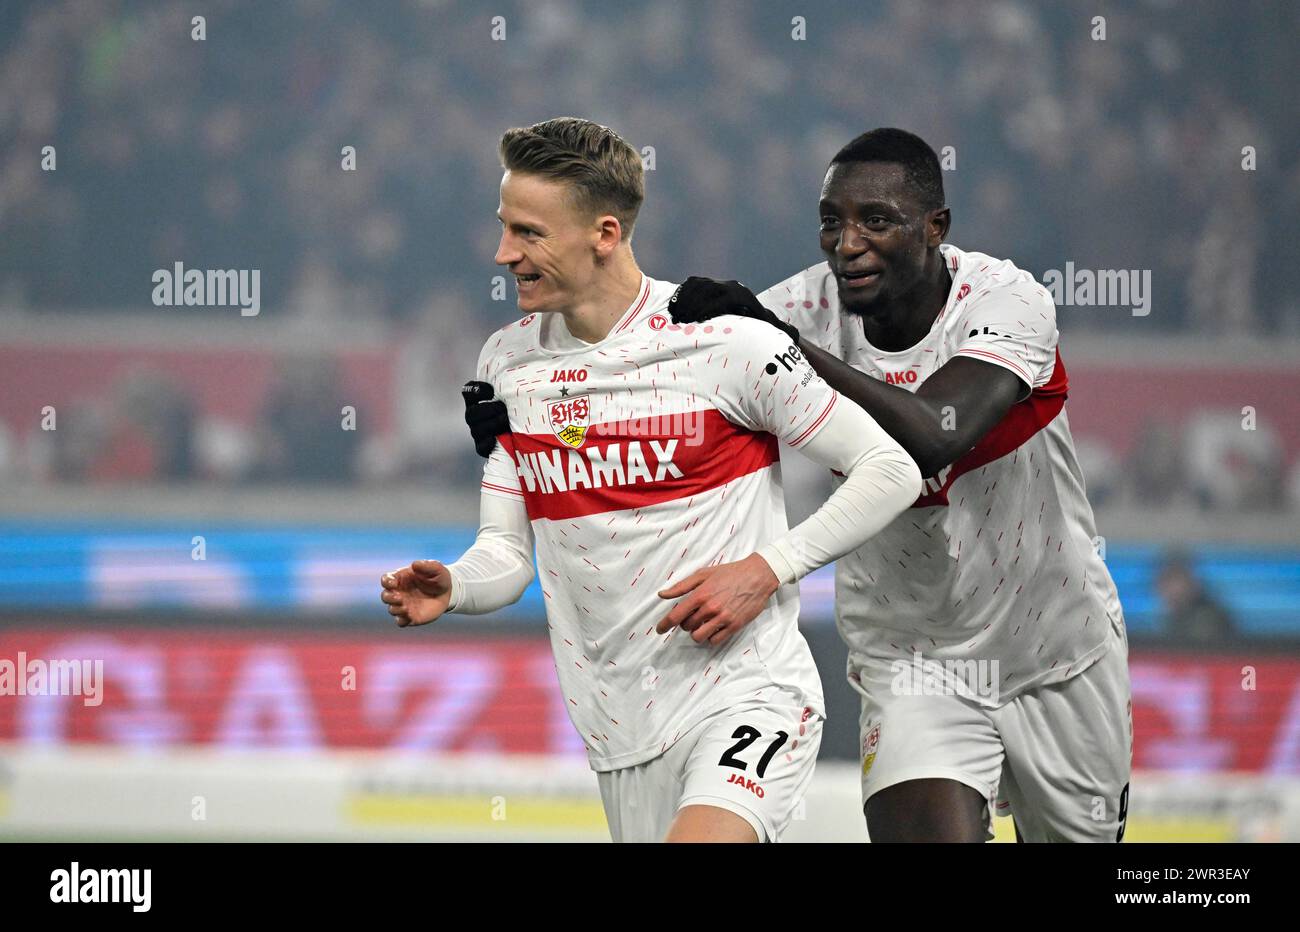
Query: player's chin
[
  {"x": 526, "y": 302},
  {"x": 860, "y": 301},
  {"x": 534, "y": 298}
]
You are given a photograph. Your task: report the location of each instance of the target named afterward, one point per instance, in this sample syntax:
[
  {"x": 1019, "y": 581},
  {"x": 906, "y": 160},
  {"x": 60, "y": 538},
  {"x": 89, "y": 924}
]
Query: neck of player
[
  {"x": 615, "y": 287},
  {"x": 903, "y": 322}
]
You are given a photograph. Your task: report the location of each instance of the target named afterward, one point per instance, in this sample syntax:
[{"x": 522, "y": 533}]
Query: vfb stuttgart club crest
[
  {"x": 870, "y": 745},
  {"x": 570, "y": 419}
]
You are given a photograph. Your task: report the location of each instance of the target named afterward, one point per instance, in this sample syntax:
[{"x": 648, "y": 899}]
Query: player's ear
[
  {"x": 937, "y": 223},
  {"x": 609, "y": 233}
]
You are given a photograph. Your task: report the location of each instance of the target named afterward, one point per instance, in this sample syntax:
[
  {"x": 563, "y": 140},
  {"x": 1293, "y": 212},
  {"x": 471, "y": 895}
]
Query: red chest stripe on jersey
[
  {"x": 620, "y": 467},
  {"x": 1016, "y": 427}
]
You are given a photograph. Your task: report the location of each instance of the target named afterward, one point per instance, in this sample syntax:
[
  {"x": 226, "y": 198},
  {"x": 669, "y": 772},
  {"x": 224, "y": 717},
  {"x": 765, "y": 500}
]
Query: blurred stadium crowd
[
  {"x": 225, "y": 153},
  {"x": 1103, "y": 152}
]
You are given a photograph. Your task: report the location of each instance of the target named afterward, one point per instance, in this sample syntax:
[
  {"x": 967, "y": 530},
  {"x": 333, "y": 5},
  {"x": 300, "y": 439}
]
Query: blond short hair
[{"x": 604, "y": 172}]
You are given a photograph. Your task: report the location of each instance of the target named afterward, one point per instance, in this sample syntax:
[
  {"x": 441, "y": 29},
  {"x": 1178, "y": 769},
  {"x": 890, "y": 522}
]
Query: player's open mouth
[
  {"x": 525, "y": 282},
  {"x": 859, "y": 279}
]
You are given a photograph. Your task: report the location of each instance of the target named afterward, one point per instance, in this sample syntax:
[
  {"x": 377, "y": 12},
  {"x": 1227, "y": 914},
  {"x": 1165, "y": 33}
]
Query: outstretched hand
[{"x": 417, "y": 594}]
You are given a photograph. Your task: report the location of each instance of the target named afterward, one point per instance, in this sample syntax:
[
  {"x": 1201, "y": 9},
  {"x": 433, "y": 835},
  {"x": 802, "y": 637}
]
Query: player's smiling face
[
  {"x": 875, "y": 233},
  {"x": 546, "y": 242}
]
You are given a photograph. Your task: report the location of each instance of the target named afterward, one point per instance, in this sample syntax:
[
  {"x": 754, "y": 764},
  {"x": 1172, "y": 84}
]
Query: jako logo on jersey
[
  {"x": 789, "y": 359},
  {"x": 747, "y": 784},
  {"x": 659, "y": 321},
  {"x": 617, "y": 465},
  {"x": 963, "y": 291},
  {"x": 898, "y": 378},
  {"x": 569, "y": 419},
  {"x": 569, "y": 375}
]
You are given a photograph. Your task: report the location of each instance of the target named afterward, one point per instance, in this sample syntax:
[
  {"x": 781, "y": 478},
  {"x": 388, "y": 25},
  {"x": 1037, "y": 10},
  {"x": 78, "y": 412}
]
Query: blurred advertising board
[
  {"x": 439, "y": 691},
  {"x": 240, "y": 567}
]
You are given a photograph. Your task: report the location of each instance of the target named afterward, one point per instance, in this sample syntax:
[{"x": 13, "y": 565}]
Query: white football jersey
[
  {"x": 640, "y": 459},
  {"x": 996, "y": 560}
]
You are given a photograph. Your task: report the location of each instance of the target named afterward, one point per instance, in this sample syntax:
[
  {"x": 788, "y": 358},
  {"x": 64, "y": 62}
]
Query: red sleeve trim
[
  {"x": 1015, "y": 367},
  {"x": 817, "y": 423},
  {"x": 502, "y": 488}
]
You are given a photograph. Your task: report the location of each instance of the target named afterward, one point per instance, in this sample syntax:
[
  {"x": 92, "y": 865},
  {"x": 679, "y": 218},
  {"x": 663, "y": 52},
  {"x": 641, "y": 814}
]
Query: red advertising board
[
  {"x": 1216, "y": 713},
  {"x": 252, "y": 689},
  {"x": 255, "y": 690}
]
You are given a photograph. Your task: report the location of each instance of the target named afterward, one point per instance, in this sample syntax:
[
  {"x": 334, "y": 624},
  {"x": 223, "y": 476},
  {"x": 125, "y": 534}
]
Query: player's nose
[
  {"x": 851, "y": 241},
  {"x": 507, "y": 252}
]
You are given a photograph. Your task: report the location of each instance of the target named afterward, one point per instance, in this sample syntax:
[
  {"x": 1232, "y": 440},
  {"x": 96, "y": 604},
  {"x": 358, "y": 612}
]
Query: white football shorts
[
  {"x": 1060, "y": 753},
  {"x": 756, "y": 762}
]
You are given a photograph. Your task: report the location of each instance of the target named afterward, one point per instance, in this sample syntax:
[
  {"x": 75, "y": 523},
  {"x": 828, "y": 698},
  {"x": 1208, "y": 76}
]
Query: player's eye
[
  {"x": 830, "y": 223},
  {"x": 877, "y": 221}
]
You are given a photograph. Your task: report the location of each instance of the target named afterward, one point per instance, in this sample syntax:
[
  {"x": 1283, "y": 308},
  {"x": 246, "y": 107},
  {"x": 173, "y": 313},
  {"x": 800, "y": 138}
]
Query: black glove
[
  {"x": 486, "y": 418},
  {"x": 698, "y": 299}
]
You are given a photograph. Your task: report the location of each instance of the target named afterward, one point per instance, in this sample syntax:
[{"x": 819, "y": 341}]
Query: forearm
[
  {"x": 496, "y": 570},
  {"x": 881, "y": 482},
  {"x": 913, "y": 420}
]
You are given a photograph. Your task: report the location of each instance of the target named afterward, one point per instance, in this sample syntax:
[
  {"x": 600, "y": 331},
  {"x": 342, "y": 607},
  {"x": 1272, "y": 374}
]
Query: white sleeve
[
  {"x": 1012, "y": 326},
  {"x": 766, "y": 384},
  {"x": 882, "y": 482},
  {"x": 496, "y": 570}
]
